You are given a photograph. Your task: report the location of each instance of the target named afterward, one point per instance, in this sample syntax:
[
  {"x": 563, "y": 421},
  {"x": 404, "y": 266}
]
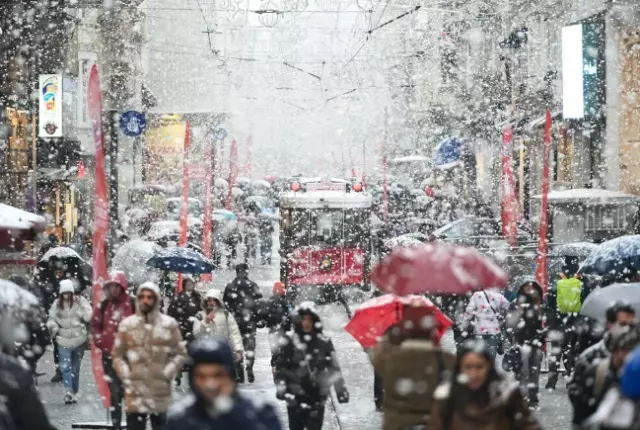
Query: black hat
[
  {"x": 242, "y": 268},
  {"x": 212, "y": 350}
]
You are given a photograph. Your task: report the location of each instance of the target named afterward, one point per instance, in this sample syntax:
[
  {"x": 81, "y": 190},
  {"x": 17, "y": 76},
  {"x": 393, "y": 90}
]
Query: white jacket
[
  {"x": 69, "y": 325},
  {"x": 480, "y": 314},
  {"x": 223, "y": 325}
]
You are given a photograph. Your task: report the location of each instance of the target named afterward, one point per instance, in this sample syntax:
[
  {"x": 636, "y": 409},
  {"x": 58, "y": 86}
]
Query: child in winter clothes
[{"x": 69, "y": 317}]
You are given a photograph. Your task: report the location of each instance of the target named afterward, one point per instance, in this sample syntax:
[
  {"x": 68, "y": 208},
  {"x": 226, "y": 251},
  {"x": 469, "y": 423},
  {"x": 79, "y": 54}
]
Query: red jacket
[{"x": 105, "y": 321}]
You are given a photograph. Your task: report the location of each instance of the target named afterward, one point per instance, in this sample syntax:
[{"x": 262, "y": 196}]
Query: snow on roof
[
  {"x": 319, "y": 179},
  {"x": 410, "y": 159},
  {"x": 587, "y": 194},
  {"x": 16, "y": 219},
  {"x": 325, "y": 199}
]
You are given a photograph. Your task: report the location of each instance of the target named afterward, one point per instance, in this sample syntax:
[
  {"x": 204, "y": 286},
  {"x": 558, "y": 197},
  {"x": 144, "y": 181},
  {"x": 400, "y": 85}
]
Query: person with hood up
[
  {"x": 528, "y": 325},
  {"x": 69, "y": 318},
  {"x": 620, "y": 408},
  {"x": 477, "y": 397},
  {"x": 147, "y": 355},
  {"x": 411, "y": 364},
  {"x": 601, "y": 376},
  {"x": 184, "y": 308},
  {"x": 483, "y": 318},
  {"x": 306, "y": 369},
  {"x": 215, "y": 320},
  {"x": 242, "y": 298},
  {"x": 277, "y": 317},
  {"x": 215, "y": 403},
  {"x": 116, "y": 306}
]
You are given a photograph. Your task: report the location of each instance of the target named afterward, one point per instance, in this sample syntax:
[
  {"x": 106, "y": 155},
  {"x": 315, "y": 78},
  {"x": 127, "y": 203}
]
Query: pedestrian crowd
[{"x": 419, "y": 385}]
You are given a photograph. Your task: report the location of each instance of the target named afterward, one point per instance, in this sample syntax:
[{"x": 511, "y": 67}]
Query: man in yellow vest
[{"x": 563, "y": 305}]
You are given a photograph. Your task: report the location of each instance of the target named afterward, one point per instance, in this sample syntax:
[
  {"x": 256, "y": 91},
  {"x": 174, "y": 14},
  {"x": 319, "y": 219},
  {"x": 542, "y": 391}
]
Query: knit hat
[
  {"x": 279, "y": 289},
  {"x": 66, "y": 286},
  {"x": 212, "y": 350}
]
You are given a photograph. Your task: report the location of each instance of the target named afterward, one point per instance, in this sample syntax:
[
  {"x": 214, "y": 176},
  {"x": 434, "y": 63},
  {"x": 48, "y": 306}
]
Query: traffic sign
[
  {"x": 221, "y": 133},
  {"x": 132, "y": 123}
]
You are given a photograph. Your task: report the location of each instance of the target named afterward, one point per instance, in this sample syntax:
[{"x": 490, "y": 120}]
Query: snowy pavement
[{"x": 358, "y": 414}]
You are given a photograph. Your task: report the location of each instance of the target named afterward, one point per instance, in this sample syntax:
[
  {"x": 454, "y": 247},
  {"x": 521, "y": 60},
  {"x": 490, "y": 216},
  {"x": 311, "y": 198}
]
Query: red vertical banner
[
  {"x": 509, "y": 199},
  {"x": 543, "y": 244},
  {"x": 101, "y": 224},
  {"x": 184, "y": 210},
  {"x": 248, "y": 167},
  {"x": 208, "y": 205},
  {"x": 233, "y": 172},
  {"x": 385, "y": 189}
]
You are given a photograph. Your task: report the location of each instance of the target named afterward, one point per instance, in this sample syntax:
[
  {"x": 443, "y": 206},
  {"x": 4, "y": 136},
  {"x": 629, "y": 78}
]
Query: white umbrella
[
  {"x": 15, "y": 298},
  {"x": 16, "y": 219},
  {"x": 132, "y": 257},
  {"x": 61, "y": 252}
]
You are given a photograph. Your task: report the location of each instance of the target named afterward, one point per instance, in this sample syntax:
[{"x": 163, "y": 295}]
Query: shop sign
[{"x": 50, "y": 111}]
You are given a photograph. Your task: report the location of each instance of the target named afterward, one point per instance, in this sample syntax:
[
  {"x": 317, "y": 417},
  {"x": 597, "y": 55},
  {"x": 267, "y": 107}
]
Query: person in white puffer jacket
[
  {"x": 69, "y": 317},
  {"x": 215, "y": 320}
]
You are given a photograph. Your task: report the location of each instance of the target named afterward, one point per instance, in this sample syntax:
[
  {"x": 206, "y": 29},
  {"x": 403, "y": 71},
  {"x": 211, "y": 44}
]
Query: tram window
[
  {"x": 355, "y": 223},
  {"x": 300, "y": 227}
]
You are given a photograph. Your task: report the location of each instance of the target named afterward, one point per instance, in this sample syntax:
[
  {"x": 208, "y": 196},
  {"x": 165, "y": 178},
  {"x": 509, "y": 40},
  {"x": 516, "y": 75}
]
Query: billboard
[
  {"x": 50, "y": 111},
  {"x": 165, "y": 151}
]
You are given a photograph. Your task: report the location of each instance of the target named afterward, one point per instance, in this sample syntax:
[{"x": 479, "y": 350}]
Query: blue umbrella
[
  {"x": 224, "y": 214},
  {"x": 614, "y": 257},
  {"x": 448, "y": 153},
  {"x": 181, "y": 260}
]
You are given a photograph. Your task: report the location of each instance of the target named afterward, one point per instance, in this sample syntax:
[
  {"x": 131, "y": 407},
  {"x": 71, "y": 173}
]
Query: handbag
[{"x": 500, "y": 348}]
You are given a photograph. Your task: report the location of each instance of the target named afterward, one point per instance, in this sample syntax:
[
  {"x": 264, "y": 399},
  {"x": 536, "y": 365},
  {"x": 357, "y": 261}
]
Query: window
[{"x": 608, "y": 217}]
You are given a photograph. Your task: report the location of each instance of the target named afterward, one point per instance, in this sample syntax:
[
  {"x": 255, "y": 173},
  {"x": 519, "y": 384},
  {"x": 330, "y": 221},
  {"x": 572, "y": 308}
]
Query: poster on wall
[{"x": 50, "y": 111}]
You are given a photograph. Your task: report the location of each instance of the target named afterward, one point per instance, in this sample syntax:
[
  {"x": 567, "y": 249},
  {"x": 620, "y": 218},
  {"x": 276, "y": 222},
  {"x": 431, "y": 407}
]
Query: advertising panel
[
  {"x": 50, "y": 112},
  {"x": 165, "y": 151}
]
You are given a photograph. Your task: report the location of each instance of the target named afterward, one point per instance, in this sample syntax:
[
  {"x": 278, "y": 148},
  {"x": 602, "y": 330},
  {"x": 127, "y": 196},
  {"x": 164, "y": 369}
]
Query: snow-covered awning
[
  {"x": 594, "y": 195},
  {"x": 16, "y": 219}
]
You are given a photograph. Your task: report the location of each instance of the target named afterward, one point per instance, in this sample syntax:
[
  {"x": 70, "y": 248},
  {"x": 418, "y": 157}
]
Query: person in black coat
[
  {"x": 183, "y": 309},
  {"x": 306, "y": 369},
  {"x": 276, "y": 316},
  {"x": 215, "y": 402},
  {"x": 21, "y": 407},
  {"x": 242, "y": 298}
]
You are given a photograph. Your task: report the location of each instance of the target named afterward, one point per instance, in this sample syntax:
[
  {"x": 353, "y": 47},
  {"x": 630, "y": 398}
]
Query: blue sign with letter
[{"x": 132, "y": 123}]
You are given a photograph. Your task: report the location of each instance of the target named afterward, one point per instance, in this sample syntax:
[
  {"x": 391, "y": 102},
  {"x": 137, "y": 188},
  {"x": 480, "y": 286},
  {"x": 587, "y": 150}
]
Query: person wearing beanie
[
  {"x": 183, "y": 308},
  {"x": 242, "y": 298},
  {"x": 69, "y": 317},
  {"x": 276, "y": 315},
  {"x": 104, "y": 326},
  {"x": 214, "y": 401},
  {"x": 306, "y": 367},
  {"x": 147, "y": 355}
]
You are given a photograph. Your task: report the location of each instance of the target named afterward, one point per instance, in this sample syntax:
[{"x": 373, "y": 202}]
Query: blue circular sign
[
  {"x": 132, "y": 123},
  {"x": 221, "y": 133}
]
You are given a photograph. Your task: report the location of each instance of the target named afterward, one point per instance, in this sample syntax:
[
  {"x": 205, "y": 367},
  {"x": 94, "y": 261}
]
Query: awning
[{"x": 16, "y": 219}]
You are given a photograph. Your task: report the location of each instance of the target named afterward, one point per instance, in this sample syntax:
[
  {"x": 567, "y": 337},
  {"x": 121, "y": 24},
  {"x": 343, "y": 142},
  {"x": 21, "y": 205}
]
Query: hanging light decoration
[{"x": 269, "y": 15}]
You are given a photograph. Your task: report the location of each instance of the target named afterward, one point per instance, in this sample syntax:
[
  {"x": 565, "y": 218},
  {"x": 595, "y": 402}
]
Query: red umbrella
[
  {"x": 374, "y": 317},
  {"x": 436, "y": 268}
]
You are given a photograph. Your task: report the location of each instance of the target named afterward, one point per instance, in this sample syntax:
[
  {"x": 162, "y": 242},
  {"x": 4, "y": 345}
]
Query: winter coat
[
  {"x": 223, "y": 324},
  {"x": 69, "y": 325},
  {"x": 183, "y": 309},
  {"x": 418, "y": 361},
  {"x": 481, "y": 317},
  {"x": 38, "y": 338},
  {"x": 506, "y": 410},
  {"x": 529, "y": 327},
  {"x": 147, "y": 355},
  {"x": 242, "y": 298},
  {"x": 276, "y": 314},
  {"x": 105, "y": 321},
  {"x": 584, "y": 393},
  {"x": 307, "y": 367},
  {"x": 20, "y": 406},
  {"x": 193, "y": 412}
]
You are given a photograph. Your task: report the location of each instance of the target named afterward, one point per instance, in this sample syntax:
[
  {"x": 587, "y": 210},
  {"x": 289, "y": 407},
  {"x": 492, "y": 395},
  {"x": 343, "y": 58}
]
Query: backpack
[{"x": 569, "y": 295}]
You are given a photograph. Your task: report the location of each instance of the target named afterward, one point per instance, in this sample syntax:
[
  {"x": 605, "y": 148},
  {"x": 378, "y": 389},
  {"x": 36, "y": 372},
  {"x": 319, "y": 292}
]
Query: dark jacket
[
  {"x": 193, "y": 412},
  {"x": 275, "y": 313},
  {"x": 34, "y": 346},
  {"x": 307, "y": 366},
  {"x": 242, "y": 298},
  {"x": 183, "y": 308},
  {"x": 529, "y": 317},
  {"x": 21, "y": 409}
]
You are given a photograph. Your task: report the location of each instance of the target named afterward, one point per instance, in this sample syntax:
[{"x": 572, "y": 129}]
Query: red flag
[
  {"x": 184, "y": 212},
  {"x": 385, "y": 189},
  {"x": 543, "y": 245},
  {"x": 208, "y": 206},
  {"x": 233, "y": 172},
  {"x": 509, "y": 200},
  {"x": 101, "y": 225},
  {"x": 248, "y": 168}
]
